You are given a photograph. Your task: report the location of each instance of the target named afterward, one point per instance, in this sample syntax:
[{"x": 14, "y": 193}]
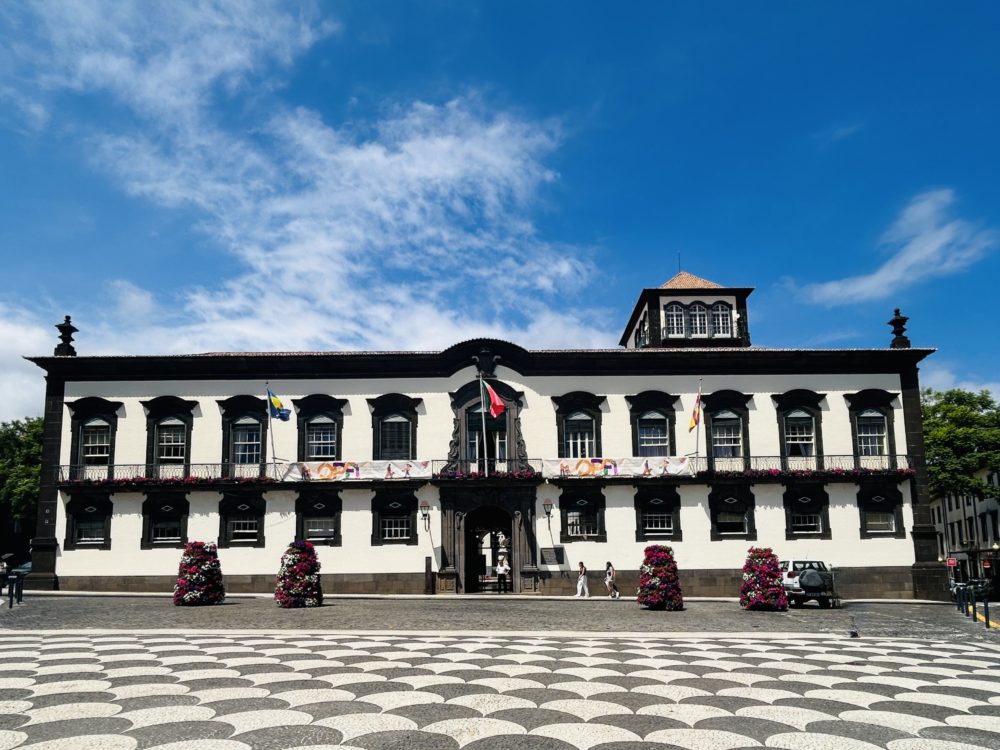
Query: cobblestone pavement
[
  {"x": 270, "y": 691},
  {"x": 503, "y": 614},
  {"x": 91, "y": 673}
]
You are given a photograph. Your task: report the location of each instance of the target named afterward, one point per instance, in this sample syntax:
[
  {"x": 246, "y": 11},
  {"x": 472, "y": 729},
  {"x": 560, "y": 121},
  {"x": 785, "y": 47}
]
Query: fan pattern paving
[{"x": 283, "y": 691}]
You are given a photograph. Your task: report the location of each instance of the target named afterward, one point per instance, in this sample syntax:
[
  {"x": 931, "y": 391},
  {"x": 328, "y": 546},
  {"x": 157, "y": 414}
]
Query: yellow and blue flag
[{"x": 278, "y": 411}]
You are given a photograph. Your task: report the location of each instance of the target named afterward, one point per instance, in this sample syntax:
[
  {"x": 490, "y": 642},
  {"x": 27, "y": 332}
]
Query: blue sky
[{"x": 387, "y": 175}]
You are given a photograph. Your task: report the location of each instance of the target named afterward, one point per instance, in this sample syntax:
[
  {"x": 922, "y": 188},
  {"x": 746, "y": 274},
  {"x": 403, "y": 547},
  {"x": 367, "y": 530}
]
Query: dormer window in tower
[
  {"x": 674, "y": 319},
  {"x": 722, "y": 320},
  {"x": 642, "y": 332},
  {"x": 698, "y": 319}
]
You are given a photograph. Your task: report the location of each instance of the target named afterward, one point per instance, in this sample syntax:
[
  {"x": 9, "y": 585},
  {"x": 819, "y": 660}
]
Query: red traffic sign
[{"x": 952, "y": 562}]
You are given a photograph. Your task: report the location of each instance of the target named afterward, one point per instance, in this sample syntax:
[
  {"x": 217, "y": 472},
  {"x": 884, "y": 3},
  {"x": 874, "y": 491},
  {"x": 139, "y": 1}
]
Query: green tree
[
  {"x": 20, "y": 468},
  {"x": 961, "y": 437}
]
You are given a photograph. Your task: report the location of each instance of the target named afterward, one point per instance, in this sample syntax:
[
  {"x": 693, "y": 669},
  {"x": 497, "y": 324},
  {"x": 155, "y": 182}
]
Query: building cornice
[{"x": 370, "y": 365}]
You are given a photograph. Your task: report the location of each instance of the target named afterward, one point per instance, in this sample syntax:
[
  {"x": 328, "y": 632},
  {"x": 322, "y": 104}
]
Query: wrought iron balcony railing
[{"x": 829, "y": 467}]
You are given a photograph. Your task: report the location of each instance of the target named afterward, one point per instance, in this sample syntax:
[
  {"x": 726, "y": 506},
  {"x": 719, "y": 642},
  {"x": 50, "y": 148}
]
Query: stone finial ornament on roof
[
  {"x": 66, "y": 331},
  {"x": 685, "y": 280},
  {"x": 898, "y": 323}
]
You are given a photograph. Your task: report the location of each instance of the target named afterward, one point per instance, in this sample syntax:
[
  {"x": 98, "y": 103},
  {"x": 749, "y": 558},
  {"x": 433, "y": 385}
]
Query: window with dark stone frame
[
  {"x": 88, "y": 522},
  {"x": 731, "y": 508},
  {"x": 318, "y": 517},
  {"x": 394, "y": 519},
  {"x": 241, "y": 520},
  {"x": 164, "y": 521},
  {"x": 582, "y": 516},
  {"x": 658, "y": 514},
  {"x": 807, "y": 512},
  {"x": 880, "y": 510}
]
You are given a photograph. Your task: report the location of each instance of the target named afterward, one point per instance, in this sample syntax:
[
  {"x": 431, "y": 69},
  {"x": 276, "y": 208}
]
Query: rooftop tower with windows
[{"x": 688, "y": 312}]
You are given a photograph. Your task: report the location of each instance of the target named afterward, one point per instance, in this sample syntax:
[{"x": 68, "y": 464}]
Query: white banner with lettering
[
  {"x": 658, "y": 466},
  {"x": 335, "y": 471}
]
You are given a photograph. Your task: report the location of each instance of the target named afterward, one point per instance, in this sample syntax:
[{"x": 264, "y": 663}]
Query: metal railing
[
  {"x": 525, "y": 468},
  {"x": 168, "y": 473},
  {"x": 755, "y": 467}
]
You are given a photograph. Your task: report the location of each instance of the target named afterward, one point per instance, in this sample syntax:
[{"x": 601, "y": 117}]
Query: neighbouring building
[
  {"x": 389, "y": 463},
  {"x": 968, "y": 530}
]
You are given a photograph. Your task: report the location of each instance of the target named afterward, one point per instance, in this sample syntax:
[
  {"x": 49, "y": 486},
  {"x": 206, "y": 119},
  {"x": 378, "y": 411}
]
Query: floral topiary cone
[
  {"x": 762, "y": 588},
  {"x": 199, "y": 576},
  {"x": 659, "y": 586},
  {"x": 298, "y": 583}
]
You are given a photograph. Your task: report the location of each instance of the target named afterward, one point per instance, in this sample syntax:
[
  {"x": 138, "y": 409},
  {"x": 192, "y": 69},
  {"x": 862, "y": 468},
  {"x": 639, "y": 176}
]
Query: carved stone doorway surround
[{"x": 456, "y": 504}]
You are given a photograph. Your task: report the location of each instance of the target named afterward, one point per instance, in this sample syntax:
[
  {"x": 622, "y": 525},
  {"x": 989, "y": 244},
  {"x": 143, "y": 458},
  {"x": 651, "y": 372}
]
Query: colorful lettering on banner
[
  {"x": 339, "y": 471},
  {"x": 659, "y": 466}
]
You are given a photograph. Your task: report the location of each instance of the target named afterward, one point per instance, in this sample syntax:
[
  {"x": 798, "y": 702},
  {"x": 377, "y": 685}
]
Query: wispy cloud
[
  {"x": 924, "y": 242},
  {"x": 941, "y": 376},
  {"x": 412, "y": 230},
  {"x": 837, "y": 133}
]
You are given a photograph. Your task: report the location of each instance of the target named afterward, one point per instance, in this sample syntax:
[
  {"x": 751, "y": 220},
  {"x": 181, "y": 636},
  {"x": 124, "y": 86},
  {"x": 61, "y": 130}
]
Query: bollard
[
  {"x": 972, "y": 596},
  {"x": 20, "y": 588},
  {"x": 10, "y": 592},
  {"x": 986, "y": 611}
]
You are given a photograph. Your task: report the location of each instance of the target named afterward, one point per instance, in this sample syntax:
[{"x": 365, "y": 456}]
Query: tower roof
[{"x": 685, "y": 280}]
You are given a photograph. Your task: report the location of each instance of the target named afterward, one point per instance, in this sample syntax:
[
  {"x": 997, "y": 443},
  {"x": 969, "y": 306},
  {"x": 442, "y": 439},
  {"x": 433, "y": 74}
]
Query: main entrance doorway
[{"x": 488, "y": 536}]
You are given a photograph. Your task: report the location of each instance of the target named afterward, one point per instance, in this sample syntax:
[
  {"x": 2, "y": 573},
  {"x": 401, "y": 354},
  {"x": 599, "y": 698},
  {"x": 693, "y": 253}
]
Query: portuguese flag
[{"x": 490, "y": 396}]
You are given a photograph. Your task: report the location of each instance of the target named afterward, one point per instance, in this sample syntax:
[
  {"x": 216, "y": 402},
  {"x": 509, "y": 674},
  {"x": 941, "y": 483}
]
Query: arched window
[
  {"x": 94, "y": 424},
  {"x": 394, "y": 421},
  {"x": 496, "y": 434},
  {"x": 800, "y": 434},
  {"x": 246, "y": 444},
  {"x": 244, "y": 429},
  {"x": 169, "y": 422},
  {"x": 698, "y": 320},
  {"x": 95, "y": 442},
  {"x": 871, "y": 433},
  {"x": 322, "y": 439},
  {"x": 171, "y": 441},
  {"x": 394, "y": 438},
  {"x": 727, "y": 434},
  {"x": 674, "y": 320},
  {"x": 654, "y": 434},
  {"x": 579, "y": 435},
  {"x": 722, "y": 320}
]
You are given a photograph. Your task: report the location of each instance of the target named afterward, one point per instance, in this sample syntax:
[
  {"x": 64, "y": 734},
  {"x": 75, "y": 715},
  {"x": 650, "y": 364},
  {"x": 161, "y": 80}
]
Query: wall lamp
[
  {"x": 547, "y": 507},
  {"x": 425, "y": 513}
]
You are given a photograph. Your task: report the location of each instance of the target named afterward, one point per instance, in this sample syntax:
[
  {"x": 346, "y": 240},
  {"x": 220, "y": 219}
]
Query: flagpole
[
  {"x": 697, "y": 427},
  {"x": 270, "y": 430},
  {"x": 482, "y": 406}
]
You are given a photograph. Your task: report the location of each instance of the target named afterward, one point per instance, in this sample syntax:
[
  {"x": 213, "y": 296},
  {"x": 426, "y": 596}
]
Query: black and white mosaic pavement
[{"x": 266, "y": 691}]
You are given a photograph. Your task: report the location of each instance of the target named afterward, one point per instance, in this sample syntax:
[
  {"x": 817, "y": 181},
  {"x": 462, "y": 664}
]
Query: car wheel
[
  {"x": 797, "y": 601},
  {"x": 824, "y": 603}
]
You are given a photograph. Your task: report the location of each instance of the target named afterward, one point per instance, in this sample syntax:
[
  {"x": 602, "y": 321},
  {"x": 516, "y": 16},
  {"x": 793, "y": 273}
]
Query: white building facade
[{"x": 386, "y": 464}]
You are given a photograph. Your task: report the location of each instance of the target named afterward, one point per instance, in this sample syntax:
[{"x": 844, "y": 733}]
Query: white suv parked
[{"x": 808, "y": 579}]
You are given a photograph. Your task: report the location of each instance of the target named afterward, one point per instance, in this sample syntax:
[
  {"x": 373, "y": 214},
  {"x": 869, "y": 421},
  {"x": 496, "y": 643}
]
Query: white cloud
[
  {"x": 941, "y": 376},
  {"x": 23, "y": 385},
  {"x": 411, "y": 231},
  {"x": 924, "y": 243},
  {"x": 837, "y": 132}
]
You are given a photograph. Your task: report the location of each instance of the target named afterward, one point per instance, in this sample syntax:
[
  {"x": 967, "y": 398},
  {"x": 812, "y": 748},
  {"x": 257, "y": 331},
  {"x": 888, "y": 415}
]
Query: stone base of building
[{"x": 901, "y": 582}]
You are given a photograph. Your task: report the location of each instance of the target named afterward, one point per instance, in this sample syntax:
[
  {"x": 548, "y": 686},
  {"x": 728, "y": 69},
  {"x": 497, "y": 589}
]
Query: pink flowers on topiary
[
  {"x": 659, "y": 587},
  {"x": 199, "y": 577},
  {"x": 298, "y": 579},
  {"x": 762, "y": 588}
]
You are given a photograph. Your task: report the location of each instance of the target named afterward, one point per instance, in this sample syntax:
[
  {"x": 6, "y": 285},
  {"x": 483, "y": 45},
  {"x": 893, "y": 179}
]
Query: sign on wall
[{"x": 952, "y": 562}]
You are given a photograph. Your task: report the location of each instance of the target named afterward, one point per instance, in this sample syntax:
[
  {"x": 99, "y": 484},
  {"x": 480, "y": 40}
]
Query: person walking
[
  {"x": 581, "y": 582},
  {"x": 503, "y": 570},
  {"x": 609, "y": 582}
]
